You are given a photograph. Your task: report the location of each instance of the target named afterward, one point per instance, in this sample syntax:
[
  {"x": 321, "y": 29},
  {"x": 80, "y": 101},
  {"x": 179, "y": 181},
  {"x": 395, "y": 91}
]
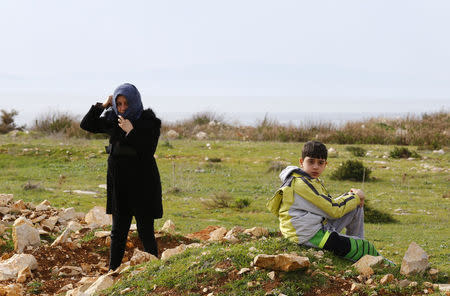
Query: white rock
[
  {"x": 174, "y": 251},
  {"x": 365, "y": 263},
  {"x": 23, "y": 274},
  {"x": 49, "y": 224},
  {"x": 102, "y": 233},
  {"x": 5, "y": 210},
  {"x": 2, "y": 228},
  {"x": 24, "y": 234},
  {"x": 201, "y": 136},
  {"x": 70, "y": 271},
  {"x": 168, "y": 226},
  {"x": 243, "y": 270},
  {"x": 218, "y": 234},
  {"x": 272, "y": 275},
  {"x": 440, "y": 151},
  {"x": 172, "y": 134},
  {"x": 102, "y": 283},
  {"x": 97, "y": 215},
  {"x": 67, "y": 214},
  {"x": 141, "y": 257},
  {"x": 257, "y": 231},
  {"x": 10, "y": 268},
  {"x": 5, "y": 199},
  {"x": 444, "y": 287},
  {"x": 283, "y": 262},
  {"x": 414, "y": 261},
  {"x": 103, "y": 186},
  {"x": 64, "y": 237},
  {"x": 43, "y": 206}
]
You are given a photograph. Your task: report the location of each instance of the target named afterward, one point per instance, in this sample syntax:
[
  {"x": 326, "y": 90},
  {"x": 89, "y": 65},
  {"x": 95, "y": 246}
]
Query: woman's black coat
[{"x": 133, "y": 181}]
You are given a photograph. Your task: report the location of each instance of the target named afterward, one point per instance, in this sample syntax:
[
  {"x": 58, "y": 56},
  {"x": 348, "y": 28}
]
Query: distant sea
[{"x": 285, "y": 118}]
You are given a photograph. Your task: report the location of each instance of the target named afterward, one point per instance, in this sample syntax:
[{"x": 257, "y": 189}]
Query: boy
[{"x": 310, "y": 216}]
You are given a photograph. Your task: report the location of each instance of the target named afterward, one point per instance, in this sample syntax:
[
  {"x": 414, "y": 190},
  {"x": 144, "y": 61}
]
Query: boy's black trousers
[{"x": 119, "y": 233}]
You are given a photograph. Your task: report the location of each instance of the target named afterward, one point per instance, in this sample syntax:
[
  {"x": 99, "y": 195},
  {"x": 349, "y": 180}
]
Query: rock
[
  {"x": 218, "y": 234},
  {"x": 414, "y": 261},
  {"x": 355, "y": 287},
  {"x": 24, "y": 234},
  {"x": 12, "y": 290},
  {"x": 23, "y": 274},
  {"x": 43, "y": 206},
  {"x": 235, "y": 231},
  {"x": 282, "y": 262},
  {"x": 388, "y": 278},
  {"x": 272, "y": 275},
  {"x": 404, "y": 283},
  {"x": 102, "y": 233},
  {"x": 364, "y": 264},
  {"x": 2, "y": 228},
  {"x": 97, "y": 215},
  {"x": 172, "y": 135},
  {"x": 141, "y": 257},
  {"x": 5, "y": 199},
  {"x": 433, "y": 271},
  {"x": 65, "y": 288},
  {"x": 64, "y": 237},
  {"x": 70, "y": 270},
  {"x": 201, "y": 136},
  {"x": 18, "y": 206},
  {"x": 39, "y": 219},
  {"x": 243, "y": 270},
  {"x": 49, "y": 224},
  {"x": 10, "y": 268},
  {"x": 257, "y": 231},
  {"x": 174, "y": 251},
  {"x": 168, "y": 226},
  {"x": 440, "y": 151},
  {"x": 102, "y": 283},
  {"x": 67, "y": 215},
  {"x": 5, "y": 210}
]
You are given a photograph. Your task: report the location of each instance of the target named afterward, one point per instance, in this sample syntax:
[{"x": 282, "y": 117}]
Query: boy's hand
[
  {"x": 361, "y": 195},
  {"x": 108, "y": 102}
]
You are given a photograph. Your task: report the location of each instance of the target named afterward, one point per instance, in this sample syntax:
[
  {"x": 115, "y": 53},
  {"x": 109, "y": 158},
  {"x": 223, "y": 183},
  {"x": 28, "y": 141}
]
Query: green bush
[
  {"x": 7, "y": 121},
  {"x": 241, "y": 203},
  {"x": 351, "y": 170},
  {"x": 356, "y": 151},
  {"x": 403, "y": 152}
]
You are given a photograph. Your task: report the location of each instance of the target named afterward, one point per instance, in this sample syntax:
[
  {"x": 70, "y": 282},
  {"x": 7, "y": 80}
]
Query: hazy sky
[{"x": 227, "y": 56}]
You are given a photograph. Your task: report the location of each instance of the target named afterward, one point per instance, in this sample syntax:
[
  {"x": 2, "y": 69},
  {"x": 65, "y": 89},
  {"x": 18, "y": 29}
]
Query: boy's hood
[{"x": 289, "y": 170}]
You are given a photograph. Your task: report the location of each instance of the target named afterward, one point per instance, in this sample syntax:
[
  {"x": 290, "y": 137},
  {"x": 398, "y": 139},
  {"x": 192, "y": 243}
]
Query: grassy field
[{"x": 415, "y": 192}]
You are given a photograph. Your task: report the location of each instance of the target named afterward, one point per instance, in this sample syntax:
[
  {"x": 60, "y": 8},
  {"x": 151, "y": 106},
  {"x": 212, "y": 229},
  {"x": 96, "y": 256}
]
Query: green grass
[{"x": 59, "y": 164}]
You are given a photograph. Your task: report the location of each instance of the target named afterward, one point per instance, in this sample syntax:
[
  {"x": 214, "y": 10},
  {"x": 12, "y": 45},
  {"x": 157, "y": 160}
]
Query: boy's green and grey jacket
[{"x": 303, "y": 205}]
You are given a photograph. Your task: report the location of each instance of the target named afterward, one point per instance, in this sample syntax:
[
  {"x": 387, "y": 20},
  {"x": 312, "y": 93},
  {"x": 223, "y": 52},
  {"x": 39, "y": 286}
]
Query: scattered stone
[
  {"x": 97, "y": 216},
  {"x": 124, "y": 291},
  {"x": 433, "y": 271},
  {"x": 18, "y": 206},
  {"x": 369, "y": 281},
  {"x": 404, "y": 283},
  {"x": 243, "y": 270},
  {"x": 388, "y": 278},
  {"x": 24, "y": 234},
  {"x": 282, "y": 262},
  {"x": 414, "y": 261},
  {"x": 218, "y": 234},
  {"x": 102, "y": 283},
  {"x": 65, "y": 288},
  {"x": 355, "y": 287},
  {"x": 364, "y": 265},
  {"x": 70, "y": 271},
  {"x": 12, "y": 290},
  {"x": 427, "y": 284},
  {"x": 257, "y": 231},
  {"x": 168, "y": 226},
  {"x": 67, "y": 215},
  {"x": 141, "y": 257},
  {"x": 5, "y": 199},
  {"x": 101, "y": 234},
  {"x": 172, "y": 135},
  {"x": 64, "y": 237},
  {"x": 10, "y": 268},
  {"x": 412, "y": 284},
  {"x": 43, "y": 206},
  {"x": 174, "y": 251},
  {"x": 444, "y": 287},
  {"x": 440, "y": 151},
  {"x": 23, "y": 274},
  {"x": 2, "y": 228},
  {"x": 49, "y": 224},
  {"x": 103, "y": 186},
  {"x": 272, "y": 275}
]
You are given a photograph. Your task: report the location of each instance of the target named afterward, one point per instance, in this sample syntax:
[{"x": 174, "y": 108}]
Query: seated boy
[{"x": 310, "y": 216}]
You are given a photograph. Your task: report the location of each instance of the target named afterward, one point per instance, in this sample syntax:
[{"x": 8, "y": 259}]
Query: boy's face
[{"x": 313, "y": 166}]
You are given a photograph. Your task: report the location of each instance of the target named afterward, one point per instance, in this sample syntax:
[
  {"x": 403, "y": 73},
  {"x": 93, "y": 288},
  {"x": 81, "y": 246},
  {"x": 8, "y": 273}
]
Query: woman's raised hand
[{"x": 108, "y": 102}]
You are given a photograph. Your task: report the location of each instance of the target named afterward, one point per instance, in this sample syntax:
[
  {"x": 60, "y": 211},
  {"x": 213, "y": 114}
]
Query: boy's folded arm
[{"x": 334, "y": 207}]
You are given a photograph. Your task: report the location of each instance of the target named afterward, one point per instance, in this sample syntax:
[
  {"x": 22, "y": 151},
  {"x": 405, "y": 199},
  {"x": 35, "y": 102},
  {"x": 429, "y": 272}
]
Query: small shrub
[
  {"x": 34, "y": 287},
  {"x": 241, "y": 203},
  {"x": 214, "y": 159},
  {"x": 7, "y": 122},
  {"x": 167, "y": 144},
  {"x": 205, "y": 118},
  {"x": 219, "y": 200},
  {"x": 356, "y": 151},
  {"x": 403, "y": 152},
  {"x": 54, "y": 122},
  {"x": 351, "y": 170}
]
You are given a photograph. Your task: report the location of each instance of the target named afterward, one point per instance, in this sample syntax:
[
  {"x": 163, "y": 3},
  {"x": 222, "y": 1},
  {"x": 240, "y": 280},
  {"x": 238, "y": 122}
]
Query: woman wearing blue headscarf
[{"x": 133, "y": 181}]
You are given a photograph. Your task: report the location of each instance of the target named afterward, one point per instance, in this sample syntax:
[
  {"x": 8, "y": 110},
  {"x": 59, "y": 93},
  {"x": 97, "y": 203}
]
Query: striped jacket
[{"x": 303, "y": 204}]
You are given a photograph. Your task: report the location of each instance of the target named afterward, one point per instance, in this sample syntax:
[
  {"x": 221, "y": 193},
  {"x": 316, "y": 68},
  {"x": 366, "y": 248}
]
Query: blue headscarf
[{"x": 133, "y": 96}]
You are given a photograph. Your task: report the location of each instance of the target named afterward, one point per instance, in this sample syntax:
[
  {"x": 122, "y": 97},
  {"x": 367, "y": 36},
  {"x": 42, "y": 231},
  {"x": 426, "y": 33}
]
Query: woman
[{"x": 133, "y": 182}]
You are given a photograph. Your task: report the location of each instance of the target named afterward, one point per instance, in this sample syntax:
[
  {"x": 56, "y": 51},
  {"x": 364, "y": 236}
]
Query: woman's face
[{"x": 122, "y": 104}]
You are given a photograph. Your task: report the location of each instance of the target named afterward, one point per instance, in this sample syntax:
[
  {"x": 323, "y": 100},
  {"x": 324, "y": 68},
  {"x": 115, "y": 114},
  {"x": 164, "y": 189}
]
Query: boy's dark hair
[{"x": 314, "y": 149}]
